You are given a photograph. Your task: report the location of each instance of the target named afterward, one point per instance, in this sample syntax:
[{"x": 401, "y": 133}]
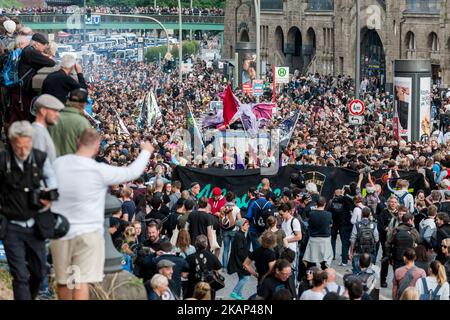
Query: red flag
[{"x": 230, "y": 106}]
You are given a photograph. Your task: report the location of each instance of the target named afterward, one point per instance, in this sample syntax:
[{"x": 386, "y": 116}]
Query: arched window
[
  {"x": 433, "y": 42},
  {"x": 411, "y": 41}
]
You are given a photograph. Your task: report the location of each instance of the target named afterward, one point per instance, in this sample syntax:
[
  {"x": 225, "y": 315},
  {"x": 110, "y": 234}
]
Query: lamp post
[
  {"x": 258, "y": 37},
  {"x": 180, "y": 50},
  {"x": 358, "y": 51}
]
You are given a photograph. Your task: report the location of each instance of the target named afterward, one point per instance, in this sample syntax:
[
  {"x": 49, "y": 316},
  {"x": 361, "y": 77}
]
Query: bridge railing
[{"x": 61, "y": 18}]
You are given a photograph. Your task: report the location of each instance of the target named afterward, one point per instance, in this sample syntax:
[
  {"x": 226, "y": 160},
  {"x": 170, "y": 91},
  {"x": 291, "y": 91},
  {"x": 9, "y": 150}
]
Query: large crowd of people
[
  {"x": 122, "y": 10},
  {"x": 179, "y": 242}
]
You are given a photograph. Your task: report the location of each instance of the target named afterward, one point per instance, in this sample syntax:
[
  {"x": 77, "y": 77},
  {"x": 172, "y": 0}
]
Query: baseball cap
[
  {"x": 38, "y": 37},
  {"x": 193, "y": 184},
  {"x": 10, "y": 26},
  {"x": 48, "y": 101},
  {"x": 78, "y": 95},
  {"x": 164, "y": 264},
  {"x": 217, "y": 191}
]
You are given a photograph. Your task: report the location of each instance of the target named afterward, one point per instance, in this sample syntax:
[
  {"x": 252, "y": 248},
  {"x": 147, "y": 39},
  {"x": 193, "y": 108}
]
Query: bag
[
  {"x": 213, "y": 278},
  {"x": 365, "y": 238},
  {"x": 260, "y": 217},
  {"x": 304, "y": 226},
  {"x": 49, "y": 225},
  {"x": 429, "y": 294},
  {"x": 405, "y": 282},
  {"x": 369, "y": 280},
  {"x": 10, "y": 73},
  {"x": 401, "y": 200}
]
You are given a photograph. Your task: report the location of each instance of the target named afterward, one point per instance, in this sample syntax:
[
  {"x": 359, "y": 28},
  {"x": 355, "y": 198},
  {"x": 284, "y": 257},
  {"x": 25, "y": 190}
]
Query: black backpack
[
  {"x": 403, "y": 239},
  {"x": 337, "y": 209},
  {"x": 261, "y": 215},
  {"x": 365, "y": 237}
]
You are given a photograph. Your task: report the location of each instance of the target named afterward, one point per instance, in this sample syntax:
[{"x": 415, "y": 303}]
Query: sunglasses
[{"x": 445, "y": 247}]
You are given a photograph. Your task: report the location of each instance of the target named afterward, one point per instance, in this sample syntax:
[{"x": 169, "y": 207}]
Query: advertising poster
[
  {"x": 248, "y": 72},
  {"x": 425, "y": 108},
  {"x": 402, "y": 105}
]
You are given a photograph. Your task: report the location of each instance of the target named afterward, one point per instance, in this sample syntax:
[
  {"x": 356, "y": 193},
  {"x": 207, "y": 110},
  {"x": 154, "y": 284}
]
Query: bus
[
  {"x": 121, "y": 42},
  {"x": 131, "y": 38},
  {"x": 130, "y": 54}
]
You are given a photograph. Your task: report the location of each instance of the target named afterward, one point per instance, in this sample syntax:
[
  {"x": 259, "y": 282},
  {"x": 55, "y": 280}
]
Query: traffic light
[{"x": 88, "y": 13}]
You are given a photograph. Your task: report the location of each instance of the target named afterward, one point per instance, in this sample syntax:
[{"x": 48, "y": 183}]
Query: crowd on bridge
[
  {"x": 117, "y": 10},
  {"x": 180, "y": 243}
]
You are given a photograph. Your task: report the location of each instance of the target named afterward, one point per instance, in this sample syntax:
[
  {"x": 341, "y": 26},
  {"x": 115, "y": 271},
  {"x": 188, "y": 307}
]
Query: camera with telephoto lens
[{"x": 37, "y": 195}]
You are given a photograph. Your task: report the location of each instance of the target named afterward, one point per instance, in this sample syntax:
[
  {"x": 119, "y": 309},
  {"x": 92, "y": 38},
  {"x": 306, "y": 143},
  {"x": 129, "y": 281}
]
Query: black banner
[{"x": 327, "y": 179}]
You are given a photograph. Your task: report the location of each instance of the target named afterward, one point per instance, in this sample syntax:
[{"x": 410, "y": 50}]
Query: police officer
[{"x": 22, "y": 172}]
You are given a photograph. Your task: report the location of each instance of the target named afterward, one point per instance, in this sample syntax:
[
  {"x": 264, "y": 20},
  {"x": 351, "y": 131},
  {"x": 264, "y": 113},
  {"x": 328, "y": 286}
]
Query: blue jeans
[
  {"x": 252, "y": 237},
  {"x": 345, "y": 233},
  {"x": 240, "y": 285},
  {"x": 227, "y": 237}
]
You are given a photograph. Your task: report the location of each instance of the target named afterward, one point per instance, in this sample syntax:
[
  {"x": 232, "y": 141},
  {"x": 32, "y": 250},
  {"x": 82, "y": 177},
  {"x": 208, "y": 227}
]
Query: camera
[
  {"x": 298, "y": 180},
  {"x": 35, "y": 197}
]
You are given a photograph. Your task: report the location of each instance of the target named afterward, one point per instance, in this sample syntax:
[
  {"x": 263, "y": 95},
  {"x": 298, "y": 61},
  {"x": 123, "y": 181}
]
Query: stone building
[{"x": 319, "y": 35}]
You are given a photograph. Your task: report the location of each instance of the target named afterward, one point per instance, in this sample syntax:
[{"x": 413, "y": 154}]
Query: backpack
[
  {"x": 403, "y": 239},
  {"x": 429, "y": 294},
  {"x": 304, "y": 226},
  {"x": 337, "y": 210},
  {"x": 10, "y": 73},
  {"x": 401, "y": 200},
  {"x": 261, "y": 215},
  {"x": 365, "y": 237},
  {"x": 368, "y": 280}
]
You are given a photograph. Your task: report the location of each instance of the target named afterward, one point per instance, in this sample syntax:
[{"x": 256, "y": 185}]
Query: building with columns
[{"x": 320, "y": 35}]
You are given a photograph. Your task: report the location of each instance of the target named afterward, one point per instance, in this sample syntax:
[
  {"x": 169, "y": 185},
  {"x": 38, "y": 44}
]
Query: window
[
  {"x": 423, "y": 6},
  {"x": 321, "y": 5},
  {"x": 433, "y": 42},
  {"x": 272, "y": 5},
  {"x": 411, "y": 41}
]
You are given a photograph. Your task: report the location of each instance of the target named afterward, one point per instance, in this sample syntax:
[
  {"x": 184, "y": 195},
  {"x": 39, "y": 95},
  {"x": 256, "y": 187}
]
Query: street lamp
[
  {"x": 258, "y": 37},
  {"x": 180, "y": 51},
  {"x": 358, "y": 51}
]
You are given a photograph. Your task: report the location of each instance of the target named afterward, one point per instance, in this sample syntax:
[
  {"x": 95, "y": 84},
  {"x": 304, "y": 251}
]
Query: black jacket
[
  {"x": 442, "y": 232},
  {"x": 59, "y": 84},
  {"x": 32, "y": 59},
  {"x": 239, "y": 252},
  {"x": 17, "y": 185}
]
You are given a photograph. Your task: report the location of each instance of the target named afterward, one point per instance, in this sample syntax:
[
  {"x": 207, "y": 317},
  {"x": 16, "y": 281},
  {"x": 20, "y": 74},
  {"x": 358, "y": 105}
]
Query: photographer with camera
[
  {"x": 60, "y": 83},
  {"x": 23, "y": 171}
]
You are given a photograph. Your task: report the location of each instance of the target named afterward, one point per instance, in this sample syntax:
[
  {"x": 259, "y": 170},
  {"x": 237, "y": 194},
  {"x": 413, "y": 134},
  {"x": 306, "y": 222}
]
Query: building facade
[{"x": 320, "y": 35}]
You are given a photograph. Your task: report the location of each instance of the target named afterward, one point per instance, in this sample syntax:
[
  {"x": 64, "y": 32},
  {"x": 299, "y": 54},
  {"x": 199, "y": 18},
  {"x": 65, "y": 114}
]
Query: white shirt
[
  {"x": 356, "y": 215},
  {"x": 286, "y": 226},
  {"x": 432, "y": 284},
  {"x": 42, "y": 141},
  {"x": 83, "y": 183},
  {"x": 311, "y": 295}
]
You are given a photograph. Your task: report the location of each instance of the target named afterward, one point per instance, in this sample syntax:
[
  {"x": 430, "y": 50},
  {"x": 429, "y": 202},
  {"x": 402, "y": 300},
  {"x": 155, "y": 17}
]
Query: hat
[
  {"x": 193, "y": 184},
  {"x": 38, "y": 37},
  {"x": 217, "y": 192},
  {"x": 241, "y": 222},
  {"x": 10, "y": 26},
  {"x": 79, "y": 95},
  {"x": 48, "y": 101},
  {"x": 166, "y": 246},
  {"x": 164, "y": 264}
]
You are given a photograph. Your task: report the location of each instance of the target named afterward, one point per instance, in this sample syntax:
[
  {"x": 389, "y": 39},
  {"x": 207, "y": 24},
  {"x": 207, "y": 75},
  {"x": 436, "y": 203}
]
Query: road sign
[
  {"x": 356, "y": 107},
  {"x": 258, "y": 88},
  {"x": 356, "y": 120},
  {"x": 282, "y": 74}
]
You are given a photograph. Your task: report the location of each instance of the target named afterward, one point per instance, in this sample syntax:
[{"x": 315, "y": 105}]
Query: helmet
[{"x": 62, "y": 226}]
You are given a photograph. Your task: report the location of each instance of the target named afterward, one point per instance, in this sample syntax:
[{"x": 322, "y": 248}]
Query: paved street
[{"x": 250, "y": 288}]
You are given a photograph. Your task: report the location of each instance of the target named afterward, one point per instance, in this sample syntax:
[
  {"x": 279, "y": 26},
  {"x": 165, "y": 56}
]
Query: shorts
[{"x": 79, "y": 260}]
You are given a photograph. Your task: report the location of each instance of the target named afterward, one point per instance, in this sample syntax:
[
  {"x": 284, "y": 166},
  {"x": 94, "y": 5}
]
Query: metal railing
[{"x": 62, "y": 18}]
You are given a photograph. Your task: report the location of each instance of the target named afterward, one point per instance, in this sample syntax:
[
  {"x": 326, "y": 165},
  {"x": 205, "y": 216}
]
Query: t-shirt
[
  {"x": 128, "y": 207},
  {"x": 400, "y": 273},
  {"x": 211, "y": 263},
  {"x": 198, "y": 224},
  {"x": 43, "y": 142},
  {"x": 262, "y": 257},
  {"x": 271, "y": 285},
  {"x": 289, "y": 231},
  {"x": 311, "y": 295},
  {"x": 320, "y": 223}
]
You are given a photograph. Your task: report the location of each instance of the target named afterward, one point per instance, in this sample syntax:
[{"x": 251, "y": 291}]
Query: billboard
[
  {"x": 402, "y": 106},
  {"x": 248, "y": 71},
  {"x": 425, "y": 108}
]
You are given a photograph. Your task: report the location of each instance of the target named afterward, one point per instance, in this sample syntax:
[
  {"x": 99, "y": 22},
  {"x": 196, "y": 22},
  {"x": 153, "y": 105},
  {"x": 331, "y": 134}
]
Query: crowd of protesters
[
  {"x": 178, "y": 242},
  {"x": 116, "y": 10}
]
